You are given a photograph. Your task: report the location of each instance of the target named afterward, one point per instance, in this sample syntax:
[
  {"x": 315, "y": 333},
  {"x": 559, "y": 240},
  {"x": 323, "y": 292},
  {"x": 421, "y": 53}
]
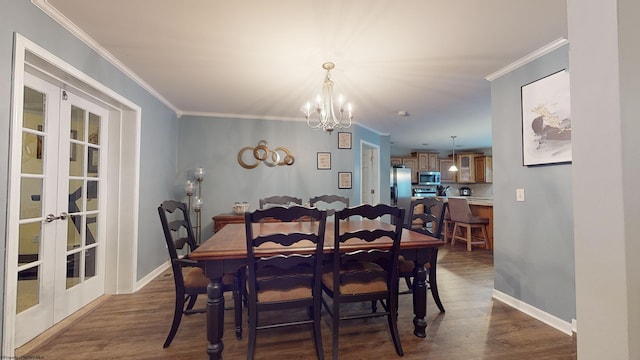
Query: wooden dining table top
[{"x": 230, "y": 241}]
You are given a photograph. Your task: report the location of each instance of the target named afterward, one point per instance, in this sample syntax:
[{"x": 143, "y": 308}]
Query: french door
[{"x": 60, "y": 265}]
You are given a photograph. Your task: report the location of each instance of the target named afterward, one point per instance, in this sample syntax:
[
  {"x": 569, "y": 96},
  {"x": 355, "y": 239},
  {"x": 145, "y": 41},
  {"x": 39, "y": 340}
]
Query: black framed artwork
[
  {"x": 344, "y": 180},
  {"x": 324, "y": 161},
  {"x": 344, "y": 140}
]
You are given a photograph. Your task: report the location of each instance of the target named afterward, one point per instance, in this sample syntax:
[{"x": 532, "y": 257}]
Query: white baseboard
[
  {"x": 557, "y": 323},
  {"x": 152, "y": 275}
]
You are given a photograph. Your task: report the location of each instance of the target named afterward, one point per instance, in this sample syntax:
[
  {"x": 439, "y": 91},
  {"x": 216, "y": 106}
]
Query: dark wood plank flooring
[{"x": 474, "y": 326}]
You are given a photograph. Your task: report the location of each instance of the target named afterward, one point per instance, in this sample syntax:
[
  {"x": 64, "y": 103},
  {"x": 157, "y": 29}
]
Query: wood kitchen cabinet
[
  {"x": 396, "y": 161},
  {"x": 483, "y": 169},
  {"x": 445, "y": 174},
  {"x": 427, "y": 161},
  {"x": 466, "y": 168},
  {"x": 412, "y": 163}
]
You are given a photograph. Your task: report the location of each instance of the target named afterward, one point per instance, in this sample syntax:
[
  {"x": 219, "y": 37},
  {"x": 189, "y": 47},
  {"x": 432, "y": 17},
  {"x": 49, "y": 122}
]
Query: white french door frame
[{"x": 122, "y": 184}]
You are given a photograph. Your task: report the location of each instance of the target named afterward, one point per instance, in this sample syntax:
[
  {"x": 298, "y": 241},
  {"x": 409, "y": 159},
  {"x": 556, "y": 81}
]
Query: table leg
[
  {"x": 215, "y": 318},
  {"x": 420, "y": 299}
]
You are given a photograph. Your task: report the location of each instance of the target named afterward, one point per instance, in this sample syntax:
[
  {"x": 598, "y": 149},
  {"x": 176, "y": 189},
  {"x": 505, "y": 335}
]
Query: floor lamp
[{"x": 197, "y": 201}]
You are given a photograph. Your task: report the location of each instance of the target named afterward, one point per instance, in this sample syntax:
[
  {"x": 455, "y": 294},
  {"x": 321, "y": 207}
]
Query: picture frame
[
  {"x": 344, "y": 180},
  {"x": 344, "y": 140},
  {"x": 323, "y": 161},
  {"x": 546, "y": 120}
]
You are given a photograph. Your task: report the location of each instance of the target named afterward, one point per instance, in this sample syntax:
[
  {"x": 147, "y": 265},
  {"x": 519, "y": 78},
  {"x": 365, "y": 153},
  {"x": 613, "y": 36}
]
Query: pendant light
[{"x": 453, "y": 167}]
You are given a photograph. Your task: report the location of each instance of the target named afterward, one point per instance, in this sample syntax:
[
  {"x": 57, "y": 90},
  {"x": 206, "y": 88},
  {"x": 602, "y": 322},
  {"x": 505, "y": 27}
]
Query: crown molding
[
  {"x": 58, "y": 17},
  {"x": 528, "y": 58}
]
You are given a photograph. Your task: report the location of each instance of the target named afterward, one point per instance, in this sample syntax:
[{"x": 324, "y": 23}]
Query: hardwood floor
[{"x": 474, "y": 326}]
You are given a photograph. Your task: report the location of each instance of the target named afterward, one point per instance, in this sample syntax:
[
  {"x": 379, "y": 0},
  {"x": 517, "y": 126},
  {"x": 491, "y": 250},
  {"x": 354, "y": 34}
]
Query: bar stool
[
  {"x": 447, "y": 224},
  {"x": 465, "y": 222}
]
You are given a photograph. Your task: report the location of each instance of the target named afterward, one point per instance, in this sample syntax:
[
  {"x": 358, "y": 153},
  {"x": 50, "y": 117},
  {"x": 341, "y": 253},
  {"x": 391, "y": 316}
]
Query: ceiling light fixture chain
[{"x": 323, "y": 114}]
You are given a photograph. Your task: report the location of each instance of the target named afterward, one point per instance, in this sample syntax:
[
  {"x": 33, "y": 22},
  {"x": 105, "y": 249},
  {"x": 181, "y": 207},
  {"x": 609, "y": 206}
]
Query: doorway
[
  {"x": 370, "y": 173},
  {"x": 65, "y": 160},
  {"x": 61, "y": 241}
]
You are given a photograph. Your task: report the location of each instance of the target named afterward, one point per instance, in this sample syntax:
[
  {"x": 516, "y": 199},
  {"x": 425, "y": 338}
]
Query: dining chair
[
  {"x": 466, "y": 222},
  {"x": 364, "y": 276},
  {"x": 279, "y": 280},
  {"x": 426, "y": 217},
  {"x": 188, "y": 275},
  {"x": 283, "y": 200},
  {"x": 329, "y": 203}
]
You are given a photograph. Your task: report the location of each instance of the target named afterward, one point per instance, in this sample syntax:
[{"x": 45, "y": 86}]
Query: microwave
[{"x": 429, "y": 177}]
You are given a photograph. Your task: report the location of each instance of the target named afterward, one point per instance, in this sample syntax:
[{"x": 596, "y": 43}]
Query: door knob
[{"x": 51, "y": 217}]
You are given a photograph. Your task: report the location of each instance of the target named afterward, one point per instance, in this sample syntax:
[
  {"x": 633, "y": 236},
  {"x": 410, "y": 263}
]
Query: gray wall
[
  {"x": 159, "y": 123},
  {"x": 214, "y": 143},
  {"x": 533, "y": 251}
]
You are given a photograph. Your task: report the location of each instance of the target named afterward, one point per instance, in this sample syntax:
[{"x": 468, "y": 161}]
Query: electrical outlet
[{"x": 519, "y": 194}]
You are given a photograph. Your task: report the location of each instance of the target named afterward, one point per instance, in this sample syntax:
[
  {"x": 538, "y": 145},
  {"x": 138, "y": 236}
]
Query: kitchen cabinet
[
  {"x": 412, "y": 163},
  {"x": 483, "y": 169},
  {"x": 427, "y": 161},
  {"x": 396, "y": 161},
  {"x": 466, "y": 168},
  {"x": 446, "y": 176}
]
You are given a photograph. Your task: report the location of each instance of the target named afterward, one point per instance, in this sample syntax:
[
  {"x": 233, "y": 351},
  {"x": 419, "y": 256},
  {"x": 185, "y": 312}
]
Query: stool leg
[
  {"x": 453, "y": 234},
  {"x": 468, "y": 237}
]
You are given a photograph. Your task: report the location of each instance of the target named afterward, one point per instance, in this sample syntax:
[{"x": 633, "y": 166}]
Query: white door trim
[
  {"x": 123, "y": 160},
  {"x": 376, "y": 180}
]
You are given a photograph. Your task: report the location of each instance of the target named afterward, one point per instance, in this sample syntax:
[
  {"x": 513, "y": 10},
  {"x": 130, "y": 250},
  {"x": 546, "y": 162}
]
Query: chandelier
[{"x": 323, "y": 115}]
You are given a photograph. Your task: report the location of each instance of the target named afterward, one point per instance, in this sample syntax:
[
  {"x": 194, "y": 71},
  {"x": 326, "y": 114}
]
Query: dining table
[{"x": 226, "y": 252}]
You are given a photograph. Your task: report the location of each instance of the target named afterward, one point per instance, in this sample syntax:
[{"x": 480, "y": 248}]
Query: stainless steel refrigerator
[{"x": 401, "y": 189}]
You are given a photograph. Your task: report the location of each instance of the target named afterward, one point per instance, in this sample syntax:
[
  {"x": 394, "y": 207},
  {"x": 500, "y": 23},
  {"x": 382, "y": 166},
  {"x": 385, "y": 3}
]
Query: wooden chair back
[
  {"x": 283, "y": 200},
  {"x": 386, "y": 258},
  {"x": 426, "y": 216},
  {"x": 280, "y": 280},
  {"x": 329, "y": 203}
]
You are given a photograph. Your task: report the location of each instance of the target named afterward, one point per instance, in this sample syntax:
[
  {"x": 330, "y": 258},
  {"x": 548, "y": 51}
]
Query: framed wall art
[
  {"x": 324, "y": 161},
  {"x": 344, "y": 140},
  {"x": 546, "y": 120},
  {"x": 344, "y": 180}
]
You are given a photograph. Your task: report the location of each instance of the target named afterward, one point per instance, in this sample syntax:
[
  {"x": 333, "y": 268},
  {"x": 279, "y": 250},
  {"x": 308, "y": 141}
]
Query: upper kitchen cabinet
[
  {"x": 427, "y": 161},
  {"x": 412, "y": 163},
  {"x": 446, "y": 176},
  {"x": 466, "y": 168},
  {"x": 396, "y": 161},
  {"x": 484, "y": 169}
]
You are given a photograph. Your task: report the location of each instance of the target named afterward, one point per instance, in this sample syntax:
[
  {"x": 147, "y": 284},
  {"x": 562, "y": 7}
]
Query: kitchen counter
[{"x": 472, "y": 200}]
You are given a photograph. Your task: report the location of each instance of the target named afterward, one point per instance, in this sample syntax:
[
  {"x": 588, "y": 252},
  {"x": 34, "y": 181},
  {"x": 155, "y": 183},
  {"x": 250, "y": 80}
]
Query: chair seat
[
  {"x": 278, "y": 295},
  {"x": 195, "y": 278},
  {"x": 352, "y": 286},
  {"x": 477, "y": 220},
  {"x": 283, "y": 292}
]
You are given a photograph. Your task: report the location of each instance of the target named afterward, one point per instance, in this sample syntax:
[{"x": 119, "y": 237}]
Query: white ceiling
[{"x": 262, "y": 58}]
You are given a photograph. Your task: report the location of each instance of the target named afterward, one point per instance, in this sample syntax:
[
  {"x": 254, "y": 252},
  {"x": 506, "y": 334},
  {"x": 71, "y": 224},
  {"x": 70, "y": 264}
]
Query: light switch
[{"x": 519, "y": 194}]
